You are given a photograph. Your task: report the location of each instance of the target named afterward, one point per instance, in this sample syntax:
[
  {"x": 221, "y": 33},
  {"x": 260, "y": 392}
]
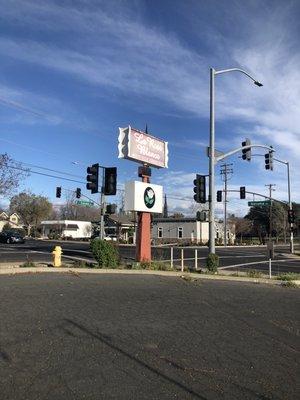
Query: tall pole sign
[{"x": 139, "y": 146}]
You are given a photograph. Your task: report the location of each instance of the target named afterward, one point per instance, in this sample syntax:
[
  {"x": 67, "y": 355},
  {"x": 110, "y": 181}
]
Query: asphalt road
[
  {"x": 231, "y": 258},
  {"x": 64, "y": 337}
]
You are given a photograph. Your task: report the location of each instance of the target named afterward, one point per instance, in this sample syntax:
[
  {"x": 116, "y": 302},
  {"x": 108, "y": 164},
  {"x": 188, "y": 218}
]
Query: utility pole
[
  {"x": 226, "y": 172},
  {"x": 270, "y": 186},
  {"x": 102, "y": 202}
]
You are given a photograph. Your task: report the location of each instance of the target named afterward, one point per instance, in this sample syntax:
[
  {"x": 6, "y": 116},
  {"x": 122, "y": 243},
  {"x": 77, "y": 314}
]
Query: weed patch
[
  {"x": 288, "y": 277},
  {"x": 28, "y": 264},
  {"x": 290, "y": 284},
  {"x": 252, "y": 273}
]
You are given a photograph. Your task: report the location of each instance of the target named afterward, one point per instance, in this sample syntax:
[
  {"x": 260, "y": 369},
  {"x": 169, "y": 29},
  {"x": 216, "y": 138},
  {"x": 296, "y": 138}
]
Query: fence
[
  {"x": 179, "y": 258},
  {"x": 194, "y": 259}
]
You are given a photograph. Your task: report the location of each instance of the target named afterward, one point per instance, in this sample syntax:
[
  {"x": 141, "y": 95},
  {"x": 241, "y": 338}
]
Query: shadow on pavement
[{"x": 104, "y": 339}]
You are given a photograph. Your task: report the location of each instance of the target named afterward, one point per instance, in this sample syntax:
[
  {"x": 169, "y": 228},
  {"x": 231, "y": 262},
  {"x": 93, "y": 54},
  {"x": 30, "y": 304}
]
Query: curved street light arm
[
  {"x": 230, "y": 153},
  {"x": 261, "y": 195},
  {"x": 223, "y": 71}
]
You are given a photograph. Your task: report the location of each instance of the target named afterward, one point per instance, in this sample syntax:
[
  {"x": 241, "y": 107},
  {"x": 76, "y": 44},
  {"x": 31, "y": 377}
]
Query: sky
[{"x": 73, "y": 72}]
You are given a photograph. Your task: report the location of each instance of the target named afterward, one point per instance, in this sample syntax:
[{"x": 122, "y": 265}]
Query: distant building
[
  {"x": 122, "y": 226},
  {"x": 169, "y": 230},
  {"x": 13, "y": 220}
]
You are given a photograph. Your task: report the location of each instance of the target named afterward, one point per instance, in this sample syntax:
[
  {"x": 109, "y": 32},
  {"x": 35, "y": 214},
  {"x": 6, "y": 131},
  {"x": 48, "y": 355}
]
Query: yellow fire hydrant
[{"x": 57, "y": 252}]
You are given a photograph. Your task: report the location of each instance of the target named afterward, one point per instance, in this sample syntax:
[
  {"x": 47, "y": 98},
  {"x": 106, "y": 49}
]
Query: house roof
[
  {"x": 122, "y": 219},
  {"x": 4, "y": 215}
]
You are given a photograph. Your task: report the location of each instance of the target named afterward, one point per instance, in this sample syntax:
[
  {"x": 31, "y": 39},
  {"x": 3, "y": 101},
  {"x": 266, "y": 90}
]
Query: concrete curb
[{"x": 187, "y": 276}]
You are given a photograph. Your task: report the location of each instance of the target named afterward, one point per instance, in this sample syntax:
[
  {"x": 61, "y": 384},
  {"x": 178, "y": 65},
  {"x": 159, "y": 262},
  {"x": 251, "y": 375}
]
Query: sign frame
[
  {"x": 138, "y": 146},
  {"x": 143, "y": 197}
]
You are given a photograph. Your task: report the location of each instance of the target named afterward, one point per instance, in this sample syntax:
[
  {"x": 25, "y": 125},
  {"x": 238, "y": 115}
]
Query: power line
[
  {"x": 41, "y": 173},
  {"x": 48, "y": 169}
]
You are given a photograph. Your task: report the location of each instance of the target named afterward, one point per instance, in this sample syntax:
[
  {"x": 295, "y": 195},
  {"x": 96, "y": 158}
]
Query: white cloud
[{"x": 116, "y": 50}]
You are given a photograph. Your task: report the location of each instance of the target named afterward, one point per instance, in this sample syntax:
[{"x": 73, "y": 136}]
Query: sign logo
[{"x": 149, "y": 197}]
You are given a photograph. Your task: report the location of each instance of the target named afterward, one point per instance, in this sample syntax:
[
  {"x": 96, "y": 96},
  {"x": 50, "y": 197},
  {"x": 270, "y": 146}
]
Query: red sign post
[{"x": 143, "y": 244}]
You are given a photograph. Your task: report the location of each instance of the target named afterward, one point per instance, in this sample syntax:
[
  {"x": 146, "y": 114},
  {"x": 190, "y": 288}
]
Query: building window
[
  {"x": 160, "y": 232},
  {"x": 179, "y": 232}
]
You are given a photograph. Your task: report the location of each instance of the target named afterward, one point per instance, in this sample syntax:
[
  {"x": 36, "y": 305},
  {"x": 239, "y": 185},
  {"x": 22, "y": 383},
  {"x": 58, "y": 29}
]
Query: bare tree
[
  {"x": 71, "y": 210},
  {"x": 11, "y": 173},
  {"x": 242, "y": 226}
]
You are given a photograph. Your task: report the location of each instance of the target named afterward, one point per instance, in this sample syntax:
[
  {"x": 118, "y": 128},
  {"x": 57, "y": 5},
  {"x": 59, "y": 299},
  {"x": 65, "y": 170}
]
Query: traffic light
[
  {"x": 246, "y": 152},
  {"x": 93, "y": 178},
  {"x": 111, "y": 208},
  {"x": 58, "y": 192},
  {"x": 110, "y": 181},
  {"x": 200, "y": 189},
  {"x": 291, "y": 216},
  {"x": 219, "y": 196},
  {"x": 78, "y": 193},
  {"x": 242, "y": 192},
  {"x": 201, "y": 216},
  {"x": 269, "y": 160}
]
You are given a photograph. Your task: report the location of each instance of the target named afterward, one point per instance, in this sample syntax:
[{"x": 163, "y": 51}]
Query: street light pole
[
  {"x": 290, "y": 207},
  {"x": 211, "y": 197}
]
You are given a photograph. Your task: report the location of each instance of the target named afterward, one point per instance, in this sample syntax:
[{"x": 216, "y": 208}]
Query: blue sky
[{"x": 72, "y": 72}]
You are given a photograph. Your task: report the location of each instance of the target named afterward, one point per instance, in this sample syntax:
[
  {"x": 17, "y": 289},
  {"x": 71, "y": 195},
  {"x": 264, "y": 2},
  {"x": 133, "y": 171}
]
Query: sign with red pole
[{"x": 145, "y": 149}]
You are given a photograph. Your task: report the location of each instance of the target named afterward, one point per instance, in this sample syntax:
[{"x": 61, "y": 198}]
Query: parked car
[
  {"x": 110, "y": 237},
  {"x": 11, "y": 237}
]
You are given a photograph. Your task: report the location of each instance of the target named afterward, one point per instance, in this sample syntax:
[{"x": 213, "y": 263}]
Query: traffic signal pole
[
  {"x": 102, "y": 202},
  {"x": 271, "y": 209}
]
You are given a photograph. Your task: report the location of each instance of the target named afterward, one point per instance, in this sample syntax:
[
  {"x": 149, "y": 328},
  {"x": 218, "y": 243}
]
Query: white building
[
  {"x": 169, "y": 230},
  {"x": 67, "y": 229},
  {"x": 13, "y": 220}
]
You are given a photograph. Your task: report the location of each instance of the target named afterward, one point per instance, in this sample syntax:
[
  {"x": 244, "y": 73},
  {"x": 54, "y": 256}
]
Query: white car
[{"x": 108, "y": 238}]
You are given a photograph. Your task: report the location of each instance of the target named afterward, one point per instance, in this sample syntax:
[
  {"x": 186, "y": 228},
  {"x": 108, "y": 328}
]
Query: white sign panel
[
  {"x": 140, "y": 196},
  {"x": 139, "y": 146}
]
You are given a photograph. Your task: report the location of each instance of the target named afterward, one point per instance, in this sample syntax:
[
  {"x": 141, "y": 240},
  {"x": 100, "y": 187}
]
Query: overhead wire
[
  {"x": 49, "y": 169},
  {"x": 43, "y": 174}
]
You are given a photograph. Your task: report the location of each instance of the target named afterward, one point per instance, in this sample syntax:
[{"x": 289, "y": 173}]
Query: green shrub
[
  {"x": 212, "y": 262},
  {"x": 105, "y": 253}
]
